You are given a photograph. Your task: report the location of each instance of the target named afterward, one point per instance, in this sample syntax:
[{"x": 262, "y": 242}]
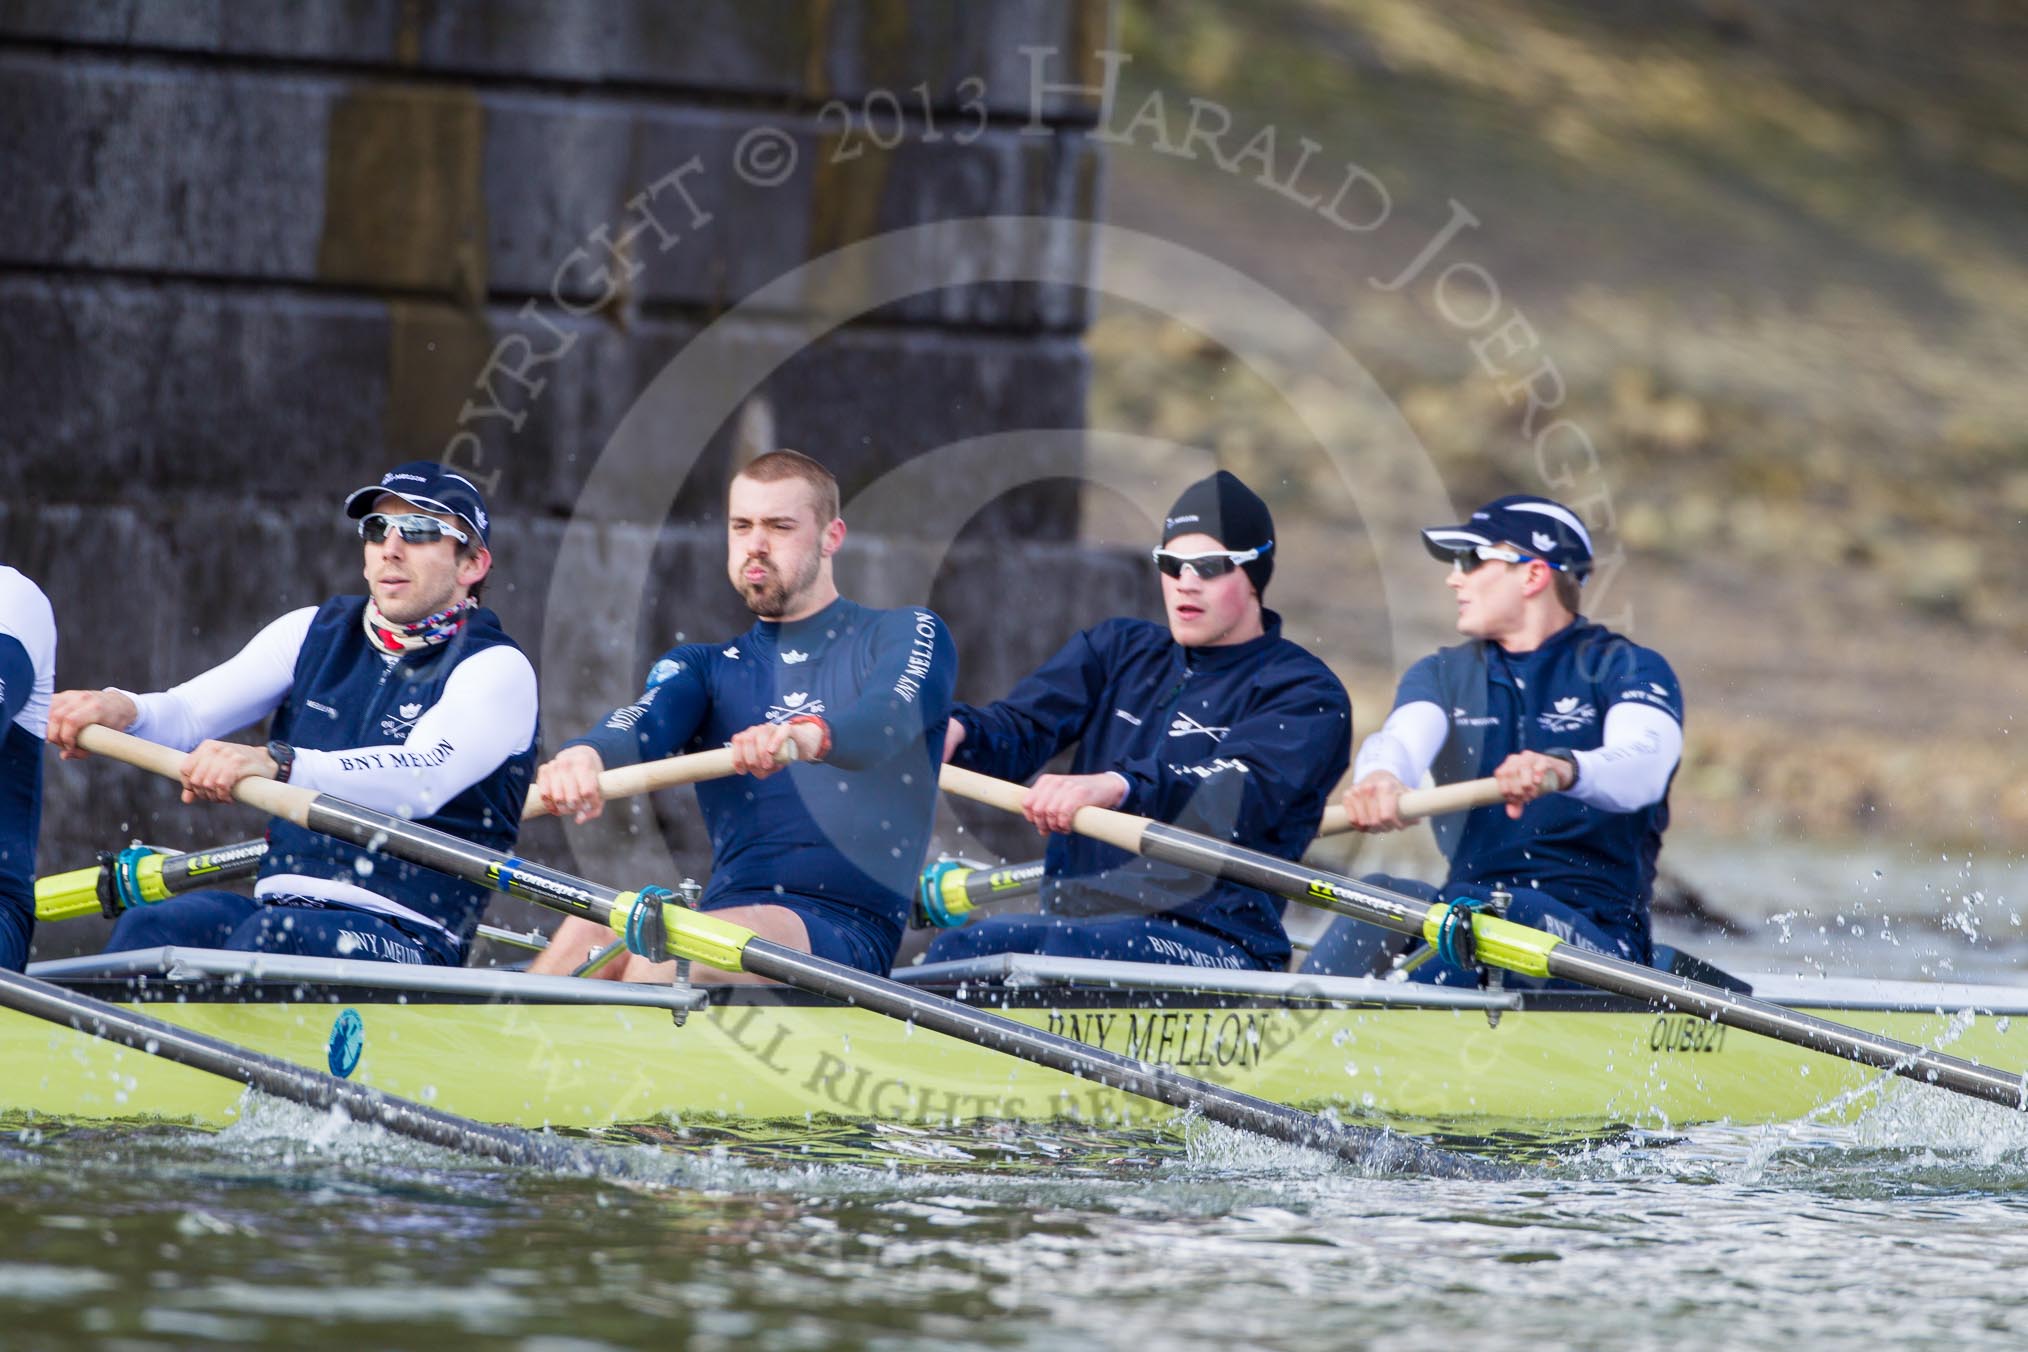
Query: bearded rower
[
  {"x": 411, "y": 700},
  {"x": 821, "y": 855}
]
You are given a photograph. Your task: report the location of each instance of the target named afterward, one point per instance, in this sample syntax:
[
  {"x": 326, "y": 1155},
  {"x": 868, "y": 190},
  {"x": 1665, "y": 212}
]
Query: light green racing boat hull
[{"x": 569, "y": 1065}]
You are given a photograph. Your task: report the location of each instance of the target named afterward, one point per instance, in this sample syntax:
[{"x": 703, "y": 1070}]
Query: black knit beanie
[{"x": 1230, "y": 513}]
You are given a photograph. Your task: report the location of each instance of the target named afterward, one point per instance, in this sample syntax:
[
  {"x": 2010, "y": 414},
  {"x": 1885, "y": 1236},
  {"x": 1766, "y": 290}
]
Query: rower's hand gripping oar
[
  {"x": 1415, "y": 804},
  {"x": 626, "y": 781},
  {"x": 701, "y": 937},
  {"x": 1515, "y": 948}
]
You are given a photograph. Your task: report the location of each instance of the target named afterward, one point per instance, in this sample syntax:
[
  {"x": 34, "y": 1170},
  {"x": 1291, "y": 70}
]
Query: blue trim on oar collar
[
  {"x": 1454, "y": 943},
  {"x": 127, "y": 874},
  {"x": 645, "y": 935}
]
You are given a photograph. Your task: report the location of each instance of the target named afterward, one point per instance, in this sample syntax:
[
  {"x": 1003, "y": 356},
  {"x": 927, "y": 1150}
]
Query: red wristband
[{"x": 824, "y": 749}]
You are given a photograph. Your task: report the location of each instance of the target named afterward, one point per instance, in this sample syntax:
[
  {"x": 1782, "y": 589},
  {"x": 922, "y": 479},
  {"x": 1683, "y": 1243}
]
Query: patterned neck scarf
[{"x": 396, "y": 639}]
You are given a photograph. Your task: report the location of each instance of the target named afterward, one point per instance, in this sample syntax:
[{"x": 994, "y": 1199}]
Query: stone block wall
[{"x": 251, "y": 255}]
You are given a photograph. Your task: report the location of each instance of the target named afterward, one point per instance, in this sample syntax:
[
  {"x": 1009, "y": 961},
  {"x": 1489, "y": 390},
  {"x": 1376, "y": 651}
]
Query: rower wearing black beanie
[
  {"x": 1214, "y": 723},
  {"x": 1232, "y": 514}
]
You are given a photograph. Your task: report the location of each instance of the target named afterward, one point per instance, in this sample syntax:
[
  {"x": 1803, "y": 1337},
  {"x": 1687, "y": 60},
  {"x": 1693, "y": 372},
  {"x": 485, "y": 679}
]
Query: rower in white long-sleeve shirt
[
  {"x": 1581, "y": 727},
  {"x": 411, "y": 700}
]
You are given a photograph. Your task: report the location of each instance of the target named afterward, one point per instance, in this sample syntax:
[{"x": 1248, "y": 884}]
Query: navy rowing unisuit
[
  {"x": 27, "y": 680},
  {"x": 839, "y": 842},
  {"x": 1241, "y": 742}
]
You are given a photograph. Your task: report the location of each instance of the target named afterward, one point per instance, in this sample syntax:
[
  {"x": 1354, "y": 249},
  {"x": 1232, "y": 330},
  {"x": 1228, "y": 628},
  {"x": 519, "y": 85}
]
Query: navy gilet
[
  {"x": 347, "y": 693},
  {"x": 1602, "y": 863}
]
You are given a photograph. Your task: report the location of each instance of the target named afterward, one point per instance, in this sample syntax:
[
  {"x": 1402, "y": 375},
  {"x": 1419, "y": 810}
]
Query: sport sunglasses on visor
[
  {"x": 413, "y": 527},
  {"x": 1216, "y": 563}
]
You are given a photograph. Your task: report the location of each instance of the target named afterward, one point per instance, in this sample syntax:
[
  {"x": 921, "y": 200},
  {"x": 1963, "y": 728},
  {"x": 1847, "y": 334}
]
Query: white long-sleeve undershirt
[
  {"x": 1628, "y": 771},
  {"x": 486, "y": 714}
]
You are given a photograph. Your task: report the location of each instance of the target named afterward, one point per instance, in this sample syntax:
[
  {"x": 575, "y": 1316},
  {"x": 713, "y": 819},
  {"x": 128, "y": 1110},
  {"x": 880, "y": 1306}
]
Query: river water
[{"x": 1908, "y": 1227}]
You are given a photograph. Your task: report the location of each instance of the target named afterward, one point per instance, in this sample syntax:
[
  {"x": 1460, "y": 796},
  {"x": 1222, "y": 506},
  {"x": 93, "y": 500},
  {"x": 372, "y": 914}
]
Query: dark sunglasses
[
  {"x": 1216, "y": 564},
  {"x": 413, "y": 527}
]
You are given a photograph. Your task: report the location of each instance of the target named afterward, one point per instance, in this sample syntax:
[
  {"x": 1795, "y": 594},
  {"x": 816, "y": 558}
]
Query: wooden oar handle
[
  {"x": 256, "y": 791},
  {"x": 1122, "y": 830},
  {"x": 1419, "y": 803},
  {"x": 630, "y": 780}
]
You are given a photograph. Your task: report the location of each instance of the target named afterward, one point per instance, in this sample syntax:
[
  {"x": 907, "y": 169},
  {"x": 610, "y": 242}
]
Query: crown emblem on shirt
[
  {"x": 1566, "y": 704},
  {"x": 410, "y": 710},
  {"x": 791, "y": 657},
  {"x": 795, "y": 701},
  {"x": 733, "y": 652}
]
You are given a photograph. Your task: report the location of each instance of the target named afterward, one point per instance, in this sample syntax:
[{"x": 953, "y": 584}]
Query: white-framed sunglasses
[
  {"x": 1465, "y": 560},
  {"x": 413, "y": 527},
  {"x": 1213, "y": 564}
]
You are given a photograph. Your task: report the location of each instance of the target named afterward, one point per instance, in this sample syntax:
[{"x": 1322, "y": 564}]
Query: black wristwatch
[
  {"x": 1568, "y": 757},
  {"x": 284, "y": 757}
]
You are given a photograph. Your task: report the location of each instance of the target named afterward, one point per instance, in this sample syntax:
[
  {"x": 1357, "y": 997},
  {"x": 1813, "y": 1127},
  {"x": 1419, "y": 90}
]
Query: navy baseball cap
[
  {"x": 430, "y": 486},
  {"x": 1539, "y": 526}
]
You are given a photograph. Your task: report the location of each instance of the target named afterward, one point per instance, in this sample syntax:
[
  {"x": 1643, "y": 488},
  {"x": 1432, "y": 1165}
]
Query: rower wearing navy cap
[
  {"x": 1215, "y": 723},
  {"x": 410, "y": 699},
  {"x": 1582, "y": 728}
]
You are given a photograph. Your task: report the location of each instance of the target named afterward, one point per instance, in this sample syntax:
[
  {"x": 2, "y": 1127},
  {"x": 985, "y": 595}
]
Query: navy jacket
[
  {"x": 1601, "y": 863},
  {"x": 846, "y": 835},
  {"x": 1244, "y": 743},
  {"x": 345, "y": 694}
]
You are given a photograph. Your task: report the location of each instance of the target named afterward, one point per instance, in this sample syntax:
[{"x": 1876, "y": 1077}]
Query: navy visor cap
[
  {"x": 430, "y": 486},
  {"x": 1539, "y": 526}
]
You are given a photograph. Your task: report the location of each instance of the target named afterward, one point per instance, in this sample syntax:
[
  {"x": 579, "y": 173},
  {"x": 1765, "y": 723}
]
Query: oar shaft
[
  {"x": 96, "y": 1018},
  {"x": 460, "y": 858},
  {"x": 950, "y": 890},
  {"x": 91, "y": 891},
  {"x": 201, "y": 868},
  {"x": 1012, "y": 880},
  {"x": 1536, "y": 954}
]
